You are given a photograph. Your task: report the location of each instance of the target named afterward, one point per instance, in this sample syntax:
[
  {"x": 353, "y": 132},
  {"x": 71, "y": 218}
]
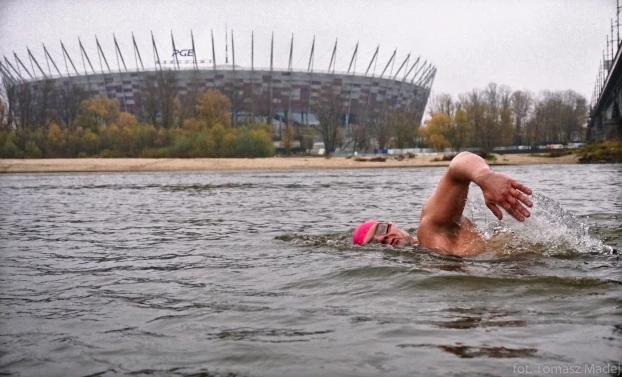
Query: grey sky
[{"x": 528, "y": 44}]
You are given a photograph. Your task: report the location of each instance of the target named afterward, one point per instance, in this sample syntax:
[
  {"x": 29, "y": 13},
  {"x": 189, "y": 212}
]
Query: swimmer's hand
[{"x": 501, "y": 190}]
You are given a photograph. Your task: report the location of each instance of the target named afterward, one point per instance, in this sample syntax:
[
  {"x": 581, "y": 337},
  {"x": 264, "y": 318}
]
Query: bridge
[{"x": 605, "y": 121}]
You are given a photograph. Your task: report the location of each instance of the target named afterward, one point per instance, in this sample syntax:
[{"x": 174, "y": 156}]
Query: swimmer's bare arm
[{"x": 442, "y": 213}]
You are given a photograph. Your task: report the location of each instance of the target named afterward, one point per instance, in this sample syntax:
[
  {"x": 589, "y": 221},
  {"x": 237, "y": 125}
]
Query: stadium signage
[
  {"x": 186, "y": 52},
  {"x": 181, "y": 61}
]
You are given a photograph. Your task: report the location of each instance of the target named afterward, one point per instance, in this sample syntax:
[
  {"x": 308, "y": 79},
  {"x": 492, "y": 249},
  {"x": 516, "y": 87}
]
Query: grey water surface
[{"x": 254, "y": 274}]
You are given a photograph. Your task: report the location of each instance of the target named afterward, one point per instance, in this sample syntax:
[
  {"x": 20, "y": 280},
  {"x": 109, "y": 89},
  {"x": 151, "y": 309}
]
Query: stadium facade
[{"x": 285, "y": 94}]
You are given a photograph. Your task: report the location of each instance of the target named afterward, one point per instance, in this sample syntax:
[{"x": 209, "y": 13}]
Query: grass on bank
[
  {"x": 553, "y": 154},
  {"x": 605, "y": 152},
  {"x": 448, "y": 157},
  {"x": 591, "y": 153}
]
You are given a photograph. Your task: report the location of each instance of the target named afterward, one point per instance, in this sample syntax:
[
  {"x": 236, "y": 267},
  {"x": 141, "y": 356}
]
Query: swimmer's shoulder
[{"x": 459, "y": 239}]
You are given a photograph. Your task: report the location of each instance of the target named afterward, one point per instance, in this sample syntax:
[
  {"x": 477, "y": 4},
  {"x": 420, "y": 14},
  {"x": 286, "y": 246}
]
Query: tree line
[
  {"x": 497, "y": 116},
  {"x": 50, "y": 121},
  {"x": 389, "y": 126},
  {"x": 64, "y": 122},
  {"x": 482, "y": 119}
]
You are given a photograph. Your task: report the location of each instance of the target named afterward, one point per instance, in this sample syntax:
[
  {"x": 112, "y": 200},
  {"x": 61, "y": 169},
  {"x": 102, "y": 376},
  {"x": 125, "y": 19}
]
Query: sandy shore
[{"x": 206, "y": 164}]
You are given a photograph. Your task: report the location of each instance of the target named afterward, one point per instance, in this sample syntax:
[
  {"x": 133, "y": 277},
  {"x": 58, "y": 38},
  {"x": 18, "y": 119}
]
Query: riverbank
[{"x": 219, "y": 164}]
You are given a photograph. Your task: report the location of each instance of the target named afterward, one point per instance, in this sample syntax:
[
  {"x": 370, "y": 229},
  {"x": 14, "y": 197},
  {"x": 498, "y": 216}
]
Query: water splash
[{"x": 550, "y": 229}]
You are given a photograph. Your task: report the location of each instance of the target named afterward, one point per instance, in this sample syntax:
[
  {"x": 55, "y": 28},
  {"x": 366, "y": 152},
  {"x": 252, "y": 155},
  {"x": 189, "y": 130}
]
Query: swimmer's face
[{"x": 389, "y": 234}]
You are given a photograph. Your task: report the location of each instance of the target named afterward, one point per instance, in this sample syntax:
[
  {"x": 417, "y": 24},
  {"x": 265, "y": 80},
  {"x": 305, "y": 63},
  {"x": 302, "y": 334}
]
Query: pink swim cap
[{"x": 361, "y": 231}]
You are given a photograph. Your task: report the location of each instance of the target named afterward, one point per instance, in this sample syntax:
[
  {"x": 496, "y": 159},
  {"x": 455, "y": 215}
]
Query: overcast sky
[{"x": 526, "y": 44}]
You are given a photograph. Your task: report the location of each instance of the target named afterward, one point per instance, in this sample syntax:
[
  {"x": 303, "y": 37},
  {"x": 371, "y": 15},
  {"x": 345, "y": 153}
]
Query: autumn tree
[
  {"x": 56, "y": 141},
  {"x": 287, "y": 139},
  {"x": 460, "y": 132},
  {"x": 99, "y": 110},
  {"x": 214, "y": 108},
  {"x": 450, "y": 125},
  {"x": 435, "y": 131}
]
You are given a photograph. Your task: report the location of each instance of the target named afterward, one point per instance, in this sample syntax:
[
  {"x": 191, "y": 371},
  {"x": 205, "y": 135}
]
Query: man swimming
[{"x": 443, "y": 228}]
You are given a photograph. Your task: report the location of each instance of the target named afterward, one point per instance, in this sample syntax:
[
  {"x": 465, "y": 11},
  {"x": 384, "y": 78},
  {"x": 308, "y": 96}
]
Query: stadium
[{"x": 283, "y": 95}]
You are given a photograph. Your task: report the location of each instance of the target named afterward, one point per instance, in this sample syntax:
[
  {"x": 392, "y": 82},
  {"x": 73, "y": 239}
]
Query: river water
[{"x": 254, "y": 274}]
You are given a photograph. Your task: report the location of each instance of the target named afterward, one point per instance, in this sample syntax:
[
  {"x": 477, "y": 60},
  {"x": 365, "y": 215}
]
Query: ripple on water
[{"x": 254, "y": 273}]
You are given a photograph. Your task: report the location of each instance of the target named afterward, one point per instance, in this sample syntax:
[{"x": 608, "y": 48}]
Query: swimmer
[{"x": 443, "y": 228}]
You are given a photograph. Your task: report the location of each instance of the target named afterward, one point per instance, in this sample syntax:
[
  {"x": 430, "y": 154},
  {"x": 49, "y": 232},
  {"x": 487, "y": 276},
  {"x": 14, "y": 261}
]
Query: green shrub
[
  {"x": 181, "y": 148},
  {"x": 10, "y": 150},
  {"x": 32, "y": 150},
  {"x": 254, "y": 143},
  {"x": 486, "y": 156},
  {"x": 108, "y": 153},
  {"x": 153, "y": 153},
  {"x": 204, "y": 145}
]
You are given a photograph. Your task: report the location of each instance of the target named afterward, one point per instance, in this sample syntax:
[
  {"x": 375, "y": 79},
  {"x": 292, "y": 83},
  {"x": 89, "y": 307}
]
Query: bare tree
[
  {"x": 357, "y": 136},
  {"x": 2, "y": 114},
  {"x": 497, "y": 117},
  {"x": 382, "y": 129},
  {"x": 167, "y": 91},
  {"x": 150, "y": 100},
  {"x": 25, "y": 105},
  {"x": 68, "y": 100},
  {"x": 404, "y": 128},
  {"x": 442, "y": 103},
  {"x": 505, "y": 116},
  {"x": 328, "y": 108},
  {"x": 460, "y": 131},
  {"x": 11, "y": 103},
  {"x": 522, "y": 103},
  {"x": 29, "y": 104},
  {"x": 575, "y": 114},
  {"x": 473, "y": 104},
  {"x": 189, "y": 101},
  {"x": 43, "y": 112},
  {"x": 158, "y": 94}
]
